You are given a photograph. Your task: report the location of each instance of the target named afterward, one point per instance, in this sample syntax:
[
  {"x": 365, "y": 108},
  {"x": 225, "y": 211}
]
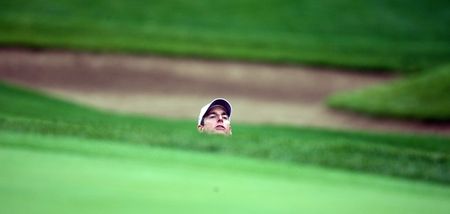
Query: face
[{"x": 216, "y": 121}]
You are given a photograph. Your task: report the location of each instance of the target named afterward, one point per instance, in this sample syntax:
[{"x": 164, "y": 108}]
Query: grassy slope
[
  {"x": 60, "y": 174},
  {"x": 422, "y": 97},
  {"x": 386, "y": 34},
  {"x": 416, "y": 157}
]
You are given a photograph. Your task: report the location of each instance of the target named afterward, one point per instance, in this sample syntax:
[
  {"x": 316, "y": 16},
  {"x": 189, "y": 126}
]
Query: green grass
[
  {"x": 43, "y": 173},
  {"x": 409, "y": 156},
  {"x": 421, "y": 97},
  {"x": 384, "y": 34}
]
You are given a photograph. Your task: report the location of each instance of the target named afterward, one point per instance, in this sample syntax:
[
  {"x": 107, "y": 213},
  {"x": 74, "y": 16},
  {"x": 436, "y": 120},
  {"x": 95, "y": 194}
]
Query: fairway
[{"x": 49, "y": 174}]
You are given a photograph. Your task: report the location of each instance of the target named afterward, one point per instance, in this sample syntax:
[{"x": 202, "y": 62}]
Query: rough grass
[
  {"x": 422, "y": 97},
  {"x": 383, "y": 34},
  {"x": 408, "y": 156}
]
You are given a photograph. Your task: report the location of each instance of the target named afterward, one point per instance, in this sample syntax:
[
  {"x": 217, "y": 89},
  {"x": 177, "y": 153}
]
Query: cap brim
[
  {"x": 216, "y": 102},
  {"x": 221, "y": 102}
]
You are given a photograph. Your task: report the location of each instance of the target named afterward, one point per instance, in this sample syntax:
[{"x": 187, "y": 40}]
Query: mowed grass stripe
[
  {"x": 107, "y": 176},
  {"x": 383, "y": 34}
]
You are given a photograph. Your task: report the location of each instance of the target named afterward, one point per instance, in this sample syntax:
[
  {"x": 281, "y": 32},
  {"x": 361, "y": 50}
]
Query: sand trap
[{"x": 177, "y": 88}]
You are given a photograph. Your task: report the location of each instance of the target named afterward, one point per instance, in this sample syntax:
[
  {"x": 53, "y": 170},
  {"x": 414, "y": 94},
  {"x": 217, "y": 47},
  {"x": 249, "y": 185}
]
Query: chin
[{"x": 221, "y": 132}]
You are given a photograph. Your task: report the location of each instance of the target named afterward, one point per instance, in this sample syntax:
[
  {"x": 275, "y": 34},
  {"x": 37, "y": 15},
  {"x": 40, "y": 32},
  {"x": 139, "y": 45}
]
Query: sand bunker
[{"x": 177, "y": 88}]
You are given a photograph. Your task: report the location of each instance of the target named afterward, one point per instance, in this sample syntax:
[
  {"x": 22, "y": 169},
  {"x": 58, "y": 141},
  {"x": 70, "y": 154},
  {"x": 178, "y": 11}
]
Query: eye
[
  {"x": 211, "y": 116},
  {"x": 225, "y": 117}
]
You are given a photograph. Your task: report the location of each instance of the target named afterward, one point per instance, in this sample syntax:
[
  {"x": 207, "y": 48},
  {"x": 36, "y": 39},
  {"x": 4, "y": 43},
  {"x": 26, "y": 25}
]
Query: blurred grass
[
  {"x": 64, "y": 174},
  {"x": 60, "y": 174},
  {"x": 385, "y": 34},
  {"x": 423, "y": 96},
  {"x": 408, "y": 156}
]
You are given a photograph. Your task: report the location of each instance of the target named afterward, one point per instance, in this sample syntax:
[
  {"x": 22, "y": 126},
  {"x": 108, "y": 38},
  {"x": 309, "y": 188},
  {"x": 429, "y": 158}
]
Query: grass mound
[
  {"x": 382, "y": 34},
  {"x": 423, "y": 97},
  {"x": 408, "y": 156}
]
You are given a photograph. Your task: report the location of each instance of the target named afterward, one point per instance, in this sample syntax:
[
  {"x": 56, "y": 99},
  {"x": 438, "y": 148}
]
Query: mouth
[{"x": 220, "y": 127}]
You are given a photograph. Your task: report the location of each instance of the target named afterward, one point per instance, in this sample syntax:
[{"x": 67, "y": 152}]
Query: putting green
[{"x": 53, "y": 174}]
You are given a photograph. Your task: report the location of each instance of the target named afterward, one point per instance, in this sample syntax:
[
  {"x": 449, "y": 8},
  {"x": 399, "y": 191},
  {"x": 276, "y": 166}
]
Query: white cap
[{"x": 218, "y": 101}]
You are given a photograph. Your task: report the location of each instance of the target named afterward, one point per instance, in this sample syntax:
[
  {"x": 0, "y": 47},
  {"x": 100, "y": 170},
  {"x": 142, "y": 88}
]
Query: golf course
[{"x": 338, "y": 106}]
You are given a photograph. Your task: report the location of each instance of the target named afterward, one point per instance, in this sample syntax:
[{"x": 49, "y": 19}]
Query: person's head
[{"x": 215, "y": 117}]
